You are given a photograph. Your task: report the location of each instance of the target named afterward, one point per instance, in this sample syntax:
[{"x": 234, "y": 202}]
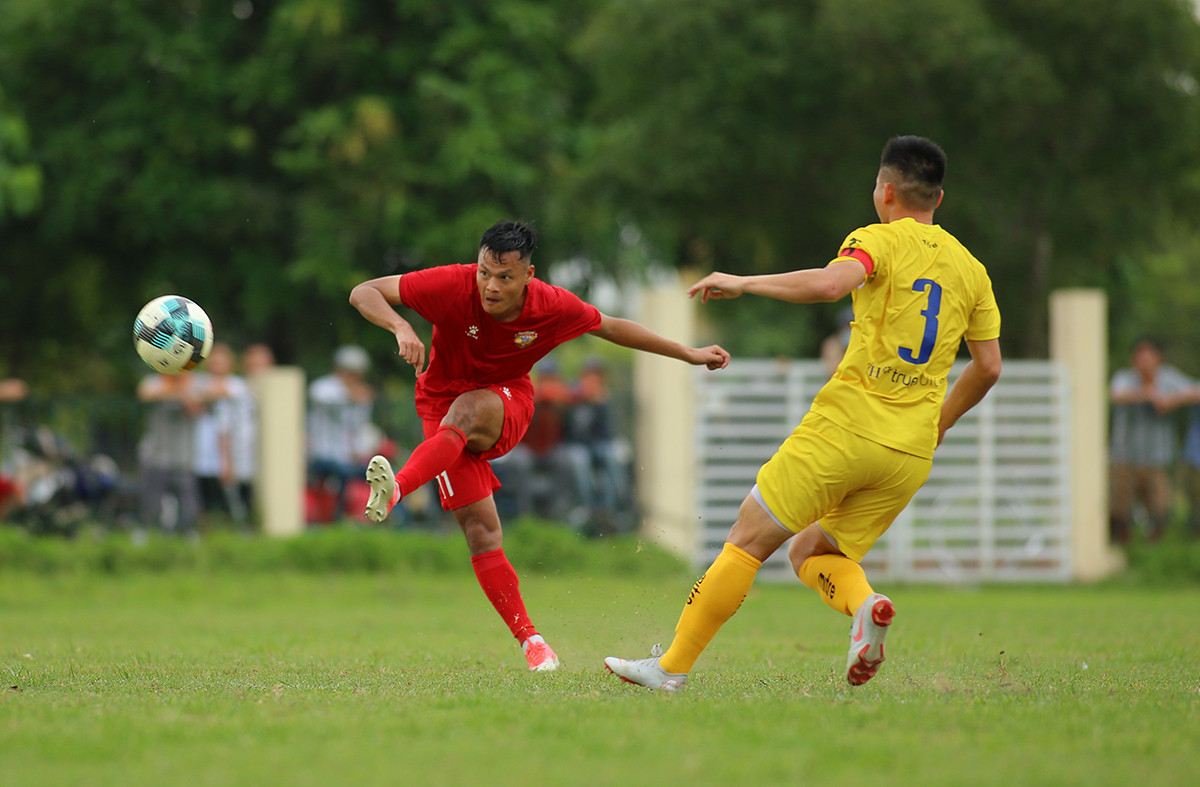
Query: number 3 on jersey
[{"x": 930, "y": 312}]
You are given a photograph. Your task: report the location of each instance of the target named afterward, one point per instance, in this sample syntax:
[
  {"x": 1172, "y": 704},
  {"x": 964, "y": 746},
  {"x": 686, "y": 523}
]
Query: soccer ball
[{"x": 172, "y": 334}]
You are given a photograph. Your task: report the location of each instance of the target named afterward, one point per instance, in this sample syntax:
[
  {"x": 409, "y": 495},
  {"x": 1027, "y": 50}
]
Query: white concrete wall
[
  {"x": 280, "y": 392},
  {"x": 1079, "y": 341},
  {"x": 664, "y": 416}
]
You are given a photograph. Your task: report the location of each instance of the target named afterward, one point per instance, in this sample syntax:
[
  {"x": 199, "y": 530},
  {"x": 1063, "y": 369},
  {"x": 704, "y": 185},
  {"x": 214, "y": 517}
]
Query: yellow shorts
[{"x": 854, "y": 487}]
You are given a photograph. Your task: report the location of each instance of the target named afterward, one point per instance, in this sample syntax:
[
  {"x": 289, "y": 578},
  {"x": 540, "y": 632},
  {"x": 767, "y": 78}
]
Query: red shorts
[{"x": 470, "y": 479}]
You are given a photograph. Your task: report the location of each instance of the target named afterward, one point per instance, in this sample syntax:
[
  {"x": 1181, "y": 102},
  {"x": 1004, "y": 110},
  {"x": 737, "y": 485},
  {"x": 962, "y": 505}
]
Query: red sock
[
  {"x": 430, "y": 458},
  {"x": 499, "y": 582}
]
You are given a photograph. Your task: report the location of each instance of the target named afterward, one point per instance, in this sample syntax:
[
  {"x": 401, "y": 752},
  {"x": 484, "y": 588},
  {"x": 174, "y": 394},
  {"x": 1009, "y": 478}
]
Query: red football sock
[
  {"x": 499, "y": 582},
  {"x": 430, "y": 458}
]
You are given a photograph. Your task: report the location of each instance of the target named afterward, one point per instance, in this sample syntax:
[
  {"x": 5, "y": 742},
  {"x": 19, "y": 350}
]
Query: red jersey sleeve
[
  {"x": 430, "y": 292},
  {"x": 574, "y": 316}
]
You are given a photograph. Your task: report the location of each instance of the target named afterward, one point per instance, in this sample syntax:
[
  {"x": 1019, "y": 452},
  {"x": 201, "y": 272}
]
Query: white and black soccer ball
[{"x": 172, "y": 334}]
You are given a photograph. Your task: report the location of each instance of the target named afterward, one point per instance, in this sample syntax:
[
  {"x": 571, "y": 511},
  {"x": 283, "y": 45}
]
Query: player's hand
[
  {"x": 410, "y": 348},
  {"x": 714, "y": 357},
  {"x": 717, "y": 285}
]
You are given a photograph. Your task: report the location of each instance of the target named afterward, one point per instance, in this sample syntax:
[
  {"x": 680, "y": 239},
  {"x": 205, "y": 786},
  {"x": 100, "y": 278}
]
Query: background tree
[
  {"x": 263, "y": 157},
  {"x": 747, "y": 136},
  {"x": 261, "y": 160}
]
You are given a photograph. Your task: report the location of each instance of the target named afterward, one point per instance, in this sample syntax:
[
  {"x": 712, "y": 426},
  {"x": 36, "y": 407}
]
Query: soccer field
[{"x": 263, "y": 678}]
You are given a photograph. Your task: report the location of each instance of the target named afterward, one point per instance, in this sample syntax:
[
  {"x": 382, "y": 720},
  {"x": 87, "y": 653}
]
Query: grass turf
[{"x": 194, "y": 677}]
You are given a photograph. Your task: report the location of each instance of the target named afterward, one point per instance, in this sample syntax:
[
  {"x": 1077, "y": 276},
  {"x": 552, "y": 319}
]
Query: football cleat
[
  {"x": 541, "y": 657},
  {"x": 646, "y": 672},
  {"x": 867, "y": 632},
  {"x": 384, "y": 491}
]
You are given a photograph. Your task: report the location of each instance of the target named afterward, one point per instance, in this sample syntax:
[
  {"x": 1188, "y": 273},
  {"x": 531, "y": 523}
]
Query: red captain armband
[{"x": 861, "y": 256}]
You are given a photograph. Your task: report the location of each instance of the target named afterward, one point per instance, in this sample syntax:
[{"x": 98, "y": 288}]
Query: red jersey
[{"x": 471, "y": 349}]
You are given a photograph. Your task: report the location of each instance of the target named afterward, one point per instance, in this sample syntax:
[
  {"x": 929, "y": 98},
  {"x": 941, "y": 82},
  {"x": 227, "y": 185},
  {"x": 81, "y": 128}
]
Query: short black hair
[
  {"x": 508, "y": 236},
  {"x": 919, "y": 165}
]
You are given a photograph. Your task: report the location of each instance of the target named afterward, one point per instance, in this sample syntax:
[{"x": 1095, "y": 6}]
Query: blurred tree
[
  {"x": 747, "y": 136},
  {"x": 262, "y": 158},
  {"x": 20, "y": 178}
]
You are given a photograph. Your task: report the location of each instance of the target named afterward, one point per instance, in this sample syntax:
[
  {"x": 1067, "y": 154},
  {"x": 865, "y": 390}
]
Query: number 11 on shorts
[{"x": 443, "y": 481}]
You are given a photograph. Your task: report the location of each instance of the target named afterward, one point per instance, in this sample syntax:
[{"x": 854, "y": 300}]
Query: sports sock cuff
[
  {"x": 484, "y": 558},
  {"x": 742, "y": 556},
  {"x": 451, "y": 428}
]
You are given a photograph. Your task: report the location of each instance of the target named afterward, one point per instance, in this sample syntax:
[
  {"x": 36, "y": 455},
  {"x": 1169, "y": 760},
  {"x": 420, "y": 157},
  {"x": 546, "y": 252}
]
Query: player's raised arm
[
  {"x": 812, "y": 285},
  {"x": 628, "y": 333},
  {"x": 375, "y": 299}
]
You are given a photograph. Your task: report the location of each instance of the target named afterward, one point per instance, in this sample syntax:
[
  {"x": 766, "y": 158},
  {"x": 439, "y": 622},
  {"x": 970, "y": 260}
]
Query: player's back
[{"x": 925, "y": 294}]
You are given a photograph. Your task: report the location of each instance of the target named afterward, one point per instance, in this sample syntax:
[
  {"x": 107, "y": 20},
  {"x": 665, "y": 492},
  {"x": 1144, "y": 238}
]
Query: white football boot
[
  {"x": 867, "y": 632},
  {"x": 647, "y": 672},
  {"x": 384, "y": 492}
]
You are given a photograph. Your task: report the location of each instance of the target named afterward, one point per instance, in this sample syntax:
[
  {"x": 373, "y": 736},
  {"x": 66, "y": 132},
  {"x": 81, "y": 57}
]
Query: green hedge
[
  {"x": 1174, "y": 560},
  {"x": 533, "y": 547}
]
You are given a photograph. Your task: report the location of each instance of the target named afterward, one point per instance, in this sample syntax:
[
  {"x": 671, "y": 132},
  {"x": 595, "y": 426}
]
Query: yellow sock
[
  {"x": 838, "y": 580},
  {"x": 713, "y": 600}
]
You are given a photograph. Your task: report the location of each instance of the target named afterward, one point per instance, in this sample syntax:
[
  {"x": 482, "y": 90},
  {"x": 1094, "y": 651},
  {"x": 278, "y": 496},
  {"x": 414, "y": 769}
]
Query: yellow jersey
[{"x": 923, "y": 295}]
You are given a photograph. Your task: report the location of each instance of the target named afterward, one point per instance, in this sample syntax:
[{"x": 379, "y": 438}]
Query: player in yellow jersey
[{"x": 867, "y": 444}]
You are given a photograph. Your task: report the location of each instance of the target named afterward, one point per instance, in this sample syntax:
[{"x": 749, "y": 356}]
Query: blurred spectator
[
  {"x": 339, "y": 413},
  {"x": 226, "y": 438},
  {"x": 212, "y": 464},
  {"x": 833, "y": 348},
  {"x": 1143, "y": 440},
  {"x": 12, "y": 390},
  {"x": 592, "y": 451},
  {"x": 257, "y": 358},
  {"x": 1189, "y": 464},
  {"x": 167, "y": 449}
]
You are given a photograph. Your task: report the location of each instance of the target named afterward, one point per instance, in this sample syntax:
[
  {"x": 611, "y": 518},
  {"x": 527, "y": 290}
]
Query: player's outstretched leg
[
  {"x": 384, "y": 491},
  {"x": 870, "y": 626},
  {"x": 500, "y": 584},
  {"x": 646, "y": 672}
]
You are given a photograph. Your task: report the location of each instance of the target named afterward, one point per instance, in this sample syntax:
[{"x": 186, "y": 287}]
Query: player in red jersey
[{"x": 492, "y": 321}]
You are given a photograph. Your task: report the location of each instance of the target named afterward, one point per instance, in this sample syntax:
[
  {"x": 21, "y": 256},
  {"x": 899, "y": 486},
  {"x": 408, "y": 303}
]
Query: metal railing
[{"x": 995, "y": 507}]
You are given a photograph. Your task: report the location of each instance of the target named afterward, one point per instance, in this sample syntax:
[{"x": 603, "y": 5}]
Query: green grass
[{"x": 264, "y": 677}]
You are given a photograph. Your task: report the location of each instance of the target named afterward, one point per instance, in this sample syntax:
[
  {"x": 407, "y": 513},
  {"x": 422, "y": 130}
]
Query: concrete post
[
  {"x": 664, "y": 399},
  {"x": 279, "y": 482},
  {"x": 1079, "y": 341}
]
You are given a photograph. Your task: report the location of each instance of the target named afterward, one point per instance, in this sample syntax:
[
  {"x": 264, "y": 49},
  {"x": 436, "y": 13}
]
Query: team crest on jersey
[{"x": 525, "y": 338}]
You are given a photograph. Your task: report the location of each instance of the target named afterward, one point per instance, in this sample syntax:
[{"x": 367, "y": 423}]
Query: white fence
[{"x": 995, "y": 508}]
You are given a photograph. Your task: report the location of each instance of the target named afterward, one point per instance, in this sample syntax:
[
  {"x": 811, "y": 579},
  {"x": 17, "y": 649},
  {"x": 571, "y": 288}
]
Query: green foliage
[
  {"x": 1069, "y": 139},
  {"x": 263, "y": 158},
  {"x": 532, "y": 546},
  {"x": 20, "y": 179},
  {"x": 1172, "y": 562}
]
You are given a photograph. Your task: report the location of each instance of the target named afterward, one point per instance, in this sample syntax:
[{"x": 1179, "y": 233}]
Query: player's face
[{"x": 501, "y": 279}]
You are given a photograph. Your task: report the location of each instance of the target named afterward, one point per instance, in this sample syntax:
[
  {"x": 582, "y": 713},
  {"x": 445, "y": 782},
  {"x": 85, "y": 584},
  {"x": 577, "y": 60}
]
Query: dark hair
[
  {"x": 1152, "y": 342},
  {"x": 507, "y": 236},
  {"x": 919, "y": 166}
]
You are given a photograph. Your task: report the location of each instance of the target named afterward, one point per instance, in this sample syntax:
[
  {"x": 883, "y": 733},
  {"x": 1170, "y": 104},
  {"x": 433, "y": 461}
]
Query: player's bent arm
[
  {"x": 977, "y": 378},
  {"x": 375, "y": 300},
  {"x": 628, "y": 333},
  {"x": 811, "y": 285}
]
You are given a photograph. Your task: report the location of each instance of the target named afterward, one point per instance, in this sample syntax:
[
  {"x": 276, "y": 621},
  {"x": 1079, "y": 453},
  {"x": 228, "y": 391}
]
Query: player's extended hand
[
  {"x": 714, "y": 357},
  {"x": 716, "y": 285},
  {"x": 411, "y": 348}
]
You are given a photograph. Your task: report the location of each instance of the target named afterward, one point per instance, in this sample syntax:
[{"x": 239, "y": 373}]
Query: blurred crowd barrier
[{"x": 81, "y": 461}]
